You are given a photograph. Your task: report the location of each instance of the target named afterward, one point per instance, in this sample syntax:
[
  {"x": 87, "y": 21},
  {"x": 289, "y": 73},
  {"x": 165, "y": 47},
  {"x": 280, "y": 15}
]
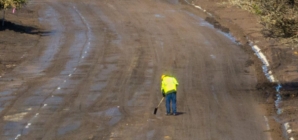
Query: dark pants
[{"x": 171, "y": 97}]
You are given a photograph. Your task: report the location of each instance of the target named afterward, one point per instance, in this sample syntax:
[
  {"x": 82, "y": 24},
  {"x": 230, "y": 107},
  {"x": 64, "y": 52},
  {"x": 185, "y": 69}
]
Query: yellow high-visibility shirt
[{"x": 169, "y": 84}]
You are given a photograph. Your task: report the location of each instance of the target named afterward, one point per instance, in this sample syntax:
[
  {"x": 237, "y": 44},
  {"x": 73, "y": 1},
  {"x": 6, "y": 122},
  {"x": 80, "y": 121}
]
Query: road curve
[{"x": 99, "y": 76}]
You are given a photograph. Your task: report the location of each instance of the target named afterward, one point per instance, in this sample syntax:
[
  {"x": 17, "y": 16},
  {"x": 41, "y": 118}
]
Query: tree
[{"x": 6, "y": 4}]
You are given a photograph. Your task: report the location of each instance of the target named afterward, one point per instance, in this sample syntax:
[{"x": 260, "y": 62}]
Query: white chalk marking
[
  {"x": 88, "y": 26},
  {"x": 58, "y": 88},
  {"x": 265, "y": 62},
  {"x": 69, "y": 75},
  {"x": 198, "y": 7},
  {"x": 17, "y": 136},
  {"x": 272, "y": 79},
  {"x": 286, "y": 125},
  {"x": 268, "y": 127},
  {"x": 44, "y": 105},
  {"x": 261, "y": 55},
  {"x": 28, "y": 125},
  {"x": 256, "y": 48},
  {"x": 267, "y": 124}
]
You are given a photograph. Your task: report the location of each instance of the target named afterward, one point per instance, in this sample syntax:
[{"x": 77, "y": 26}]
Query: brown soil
[{"x": 19, "y": 37}]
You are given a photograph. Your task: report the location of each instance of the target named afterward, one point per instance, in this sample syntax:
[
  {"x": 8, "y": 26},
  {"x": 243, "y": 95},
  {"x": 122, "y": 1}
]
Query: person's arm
[
  {"x": 176, "y": 82},
  {"x": 162, "y": 89}
]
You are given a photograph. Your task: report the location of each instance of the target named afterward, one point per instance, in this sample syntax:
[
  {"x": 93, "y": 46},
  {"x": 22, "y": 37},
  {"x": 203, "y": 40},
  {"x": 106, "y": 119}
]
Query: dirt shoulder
[{"x": 19, "y": 37}]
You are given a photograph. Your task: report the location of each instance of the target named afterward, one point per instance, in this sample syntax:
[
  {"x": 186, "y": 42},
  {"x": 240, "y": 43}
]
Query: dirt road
[{"x": 99, "y": 76}]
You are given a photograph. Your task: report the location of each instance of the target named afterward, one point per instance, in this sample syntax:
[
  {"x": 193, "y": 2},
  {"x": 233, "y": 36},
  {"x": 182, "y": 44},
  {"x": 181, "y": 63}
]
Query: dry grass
[
  {"x": 243, "y": 4},
  {"x": 279, "y": 17}
]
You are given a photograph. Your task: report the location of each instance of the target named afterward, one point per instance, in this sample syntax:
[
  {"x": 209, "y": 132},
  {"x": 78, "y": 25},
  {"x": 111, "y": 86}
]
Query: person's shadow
[{"x": 179, "y": 113}]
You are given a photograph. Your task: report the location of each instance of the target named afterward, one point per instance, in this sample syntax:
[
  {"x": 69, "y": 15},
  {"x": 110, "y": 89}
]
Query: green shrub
[{"x": 279, "y": 17}]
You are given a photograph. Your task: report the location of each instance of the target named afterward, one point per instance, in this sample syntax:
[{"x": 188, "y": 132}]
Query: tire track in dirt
[
  {"x": 29, "y": 69},
  {"x": 23, "y": 89},
  {"x": 51, "y": 132},
  {"x": 44, "y": 100},
  {"x": 75, "y": 75},
  {"x": 128, "y": 95}
]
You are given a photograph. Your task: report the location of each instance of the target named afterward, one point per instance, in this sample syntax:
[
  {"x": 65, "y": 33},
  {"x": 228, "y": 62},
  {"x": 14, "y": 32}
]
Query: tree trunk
[{"x": 3, "y": 19}]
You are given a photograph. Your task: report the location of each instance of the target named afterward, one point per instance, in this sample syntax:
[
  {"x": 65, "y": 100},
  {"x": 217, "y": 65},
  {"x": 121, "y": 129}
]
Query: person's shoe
[
  {"x": 168, "y": 114},
  {"x": 174, "y": 114}
]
